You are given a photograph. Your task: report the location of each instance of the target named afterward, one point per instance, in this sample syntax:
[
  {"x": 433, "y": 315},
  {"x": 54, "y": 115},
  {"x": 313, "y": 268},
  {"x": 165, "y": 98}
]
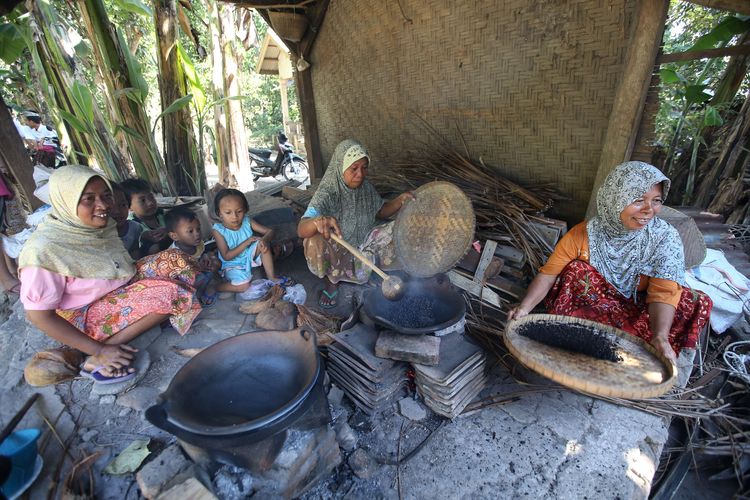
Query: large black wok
[
  {"x": 240, "y": 391},
  {"x": 427, "y": 305}
]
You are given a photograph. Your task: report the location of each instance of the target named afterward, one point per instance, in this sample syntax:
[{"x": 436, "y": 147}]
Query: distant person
[
  {"x": 40, "y": 139},
  {"x": 147, "y": 213}
]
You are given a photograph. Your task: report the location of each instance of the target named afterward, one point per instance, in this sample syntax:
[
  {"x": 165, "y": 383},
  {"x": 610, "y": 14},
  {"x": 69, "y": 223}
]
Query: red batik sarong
[{"x": 581, "y": 291}]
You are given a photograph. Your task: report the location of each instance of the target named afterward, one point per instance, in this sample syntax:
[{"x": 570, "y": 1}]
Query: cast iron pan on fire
[
  {"x": 427, "y": 305},
  {"x": 589, "y": 357}
]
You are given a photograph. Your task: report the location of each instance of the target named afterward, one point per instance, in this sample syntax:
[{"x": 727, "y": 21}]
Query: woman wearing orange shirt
[{"x": 625, "y": 267}]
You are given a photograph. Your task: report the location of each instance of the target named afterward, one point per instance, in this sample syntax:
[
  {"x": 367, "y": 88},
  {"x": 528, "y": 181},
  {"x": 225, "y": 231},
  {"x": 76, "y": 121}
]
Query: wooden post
[
  {"x": 303, "y": 80},
  {"x": 14, "y": 157},
  {"x": 627, "y": 108}
]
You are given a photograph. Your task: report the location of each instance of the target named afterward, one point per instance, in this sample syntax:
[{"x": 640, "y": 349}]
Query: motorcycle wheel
[{"x": 297, "y": 171}]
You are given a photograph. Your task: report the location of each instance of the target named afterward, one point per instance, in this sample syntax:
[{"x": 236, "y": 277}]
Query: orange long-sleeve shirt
[{"x": 575, "y": 245}]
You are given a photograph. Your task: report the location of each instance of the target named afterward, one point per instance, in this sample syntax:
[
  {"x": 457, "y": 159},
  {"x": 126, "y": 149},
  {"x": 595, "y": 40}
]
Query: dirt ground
[{"x": 550, "y": 442}]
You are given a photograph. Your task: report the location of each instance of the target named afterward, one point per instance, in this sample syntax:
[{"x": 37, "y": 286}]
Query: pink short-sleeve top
[{"x": 43, "y": 290}]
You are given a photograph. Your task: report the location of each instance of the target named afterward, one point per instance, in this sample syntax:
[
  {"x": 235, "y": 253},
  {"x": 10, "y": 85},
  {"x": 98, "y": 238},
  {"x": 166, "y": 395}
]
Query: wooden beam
[
  {"x": 15, "y": 159},
  {"x": 303, "y": 81},
  {"x": 268, "y": 4},
  {"x": 735, "y": 50},
  {"x": 630, "y": 97},
  {"x": 739, "y": 6}
]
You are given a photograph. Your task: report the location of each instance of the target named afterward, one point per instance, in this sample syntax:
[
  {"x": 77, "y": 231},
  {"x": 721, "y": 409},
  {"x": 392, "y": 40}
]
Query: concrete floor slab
[{"x": 551, "y": 443}]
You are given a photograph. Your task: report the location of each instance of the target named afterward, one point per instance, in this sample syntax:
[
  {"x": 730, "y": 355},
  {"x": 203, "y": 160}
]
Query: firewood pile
[{"x": 506, "y": 212}]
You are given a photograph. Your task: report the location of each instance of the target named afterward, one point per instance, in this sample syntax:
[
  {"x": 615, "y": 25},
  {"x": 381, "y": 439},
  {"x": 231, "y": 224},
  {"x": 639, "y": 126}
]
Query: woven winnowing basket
[
  {"x": 434, "y": 230},
  {"x": 692, "y": 239},
  {"x": 642, "y": 373}
]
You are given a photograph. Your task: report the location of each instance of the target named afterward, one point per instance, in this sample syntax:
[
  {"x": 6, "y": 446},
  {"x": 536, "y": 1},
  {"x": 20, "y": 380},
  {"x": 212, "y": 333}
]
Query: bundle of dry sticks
[{"x": 504, "y": 209}]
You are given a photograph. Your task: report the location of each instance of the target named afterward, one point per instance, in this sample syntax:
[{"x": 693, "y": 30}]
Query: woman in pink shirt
[{"x": 80, "y": 286}]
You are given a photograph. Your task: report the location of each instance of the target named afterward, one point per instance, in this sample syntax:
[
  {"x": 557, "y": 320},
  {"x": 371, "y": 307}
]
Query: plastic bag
[
  {"x": 41, "y": 177},
  {"x": 258, "y": 289},
  {"x": 295, "y": 294}
]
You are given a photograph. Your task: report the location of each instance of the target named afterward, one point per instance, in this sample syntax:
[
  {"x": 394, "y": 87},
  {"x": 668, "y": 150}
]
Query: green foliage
[
  {"x": 135, "y": 6},
  {"x": 12, "y": 43},
  {"x": 688, "y": 85}
]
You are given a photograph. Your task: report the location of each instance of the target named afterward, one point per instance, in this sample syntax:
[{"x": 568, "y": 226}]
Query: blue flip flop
[
  {"x": 208, "y": 300},
  {"x": 332, "y": 302},
  {"x": 100, "y": 378}
]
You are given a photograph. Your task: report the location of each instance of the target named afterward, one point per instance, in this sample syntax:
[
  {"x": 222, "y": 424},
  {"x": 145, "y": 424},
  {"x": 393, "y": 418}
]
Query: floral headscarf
[
  {"x": 65, "y": 245},
  {"x": 622, "y": 255},
  {"x": 354, "y": 209}
]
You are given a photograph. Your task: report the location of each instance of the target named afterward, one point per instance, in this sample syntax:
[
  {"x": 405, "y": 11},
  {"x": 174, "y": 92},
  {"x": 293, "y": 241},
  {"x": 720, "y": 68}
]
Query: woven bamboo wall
[{"x": 530, "y": 84}]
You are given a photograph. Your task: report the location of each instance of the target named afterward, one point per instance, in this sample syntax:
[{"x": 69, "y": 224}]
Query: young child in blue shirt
[{"x": 242, "y": 242}]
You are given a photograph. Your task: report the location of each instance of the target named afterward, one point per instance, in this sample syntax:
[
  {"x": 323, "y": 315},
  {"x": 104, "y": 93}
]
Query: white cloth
[
  {"x": 718, "y": 279},
  {"x": 43, "y": 133}
]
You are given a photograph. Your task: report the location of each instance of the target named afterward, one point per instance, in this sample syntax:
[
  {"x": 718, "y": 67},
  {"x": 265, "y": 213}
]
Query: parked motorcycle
[{"x": 286, "y": 162}]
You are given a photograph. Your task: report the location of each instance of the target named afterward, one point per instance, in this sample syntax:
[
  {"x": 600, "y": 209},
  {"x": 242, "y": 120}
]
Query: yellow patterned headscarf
[{"x": 63, "y": 244}]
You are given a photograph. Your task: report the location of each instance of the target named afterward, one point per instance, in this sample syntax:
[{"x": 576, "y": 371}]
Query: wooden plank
[
  {"x": 487, "y": 254},
  {"x": 630, "y": 97},
  {"x": 507, "y": 286},
  {"x": 276, "y": 188},
  {"x": 484, "y": 293},
  {"x": 739, "y": 6},
  {"x": 510, "y": 254},
  {"x": 299, "y": 197},
  {"x": 735, "y": 50}
]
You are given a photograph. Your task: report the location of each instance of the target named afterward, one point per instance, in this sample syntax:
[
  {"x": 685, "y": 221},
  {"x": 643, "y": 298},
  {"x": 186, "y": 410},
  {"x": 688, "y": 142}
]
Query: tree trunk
[
  {"x": 736, "y": 144},
  {"x": 125, "y": 85},
  {"x": 231, "y": 141},
  {"x": 177, "y": 130},
  {"x": 58, "y": 73}
]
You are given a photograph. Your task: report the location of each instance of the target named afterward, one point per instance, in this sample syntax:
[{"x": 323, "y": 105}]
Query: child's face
[
  {"x": 232, "y": 212},
  {"x": 119, "y": 210},
  {"x": 187, "y": 232},
  {"x": 143, "y": 204}
]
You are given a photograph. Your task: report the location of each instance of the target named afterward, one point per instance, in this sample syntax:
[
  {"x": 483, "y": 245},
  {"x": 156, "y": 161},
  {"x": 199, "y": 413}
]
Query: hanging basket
[{"x": 289, "y": 25}]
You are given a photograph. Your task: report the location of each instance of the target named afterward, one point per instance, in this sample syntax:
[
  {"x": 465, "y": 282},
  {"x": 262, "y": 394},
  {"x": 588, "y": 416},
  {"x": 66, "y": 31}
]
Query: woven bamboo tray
[
  {"x": 434, "y": 230},
  {"x": 642, "y": 373}
]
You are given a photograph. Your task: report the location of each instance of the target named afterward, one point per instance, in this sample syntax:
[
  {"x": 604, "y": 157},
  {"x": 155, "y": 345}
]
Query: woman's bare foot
[
  {"x": 328, "y": 298},
  {"x": 92, "y": 363}
]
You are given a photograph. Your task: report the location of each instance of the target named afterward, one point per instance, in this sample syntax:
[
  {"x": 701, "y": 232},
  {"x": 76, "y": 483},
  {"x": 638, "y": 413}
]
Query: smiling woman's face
[
  {"x": 94, "y": 204},
  {"x": 638, "y": 214}
]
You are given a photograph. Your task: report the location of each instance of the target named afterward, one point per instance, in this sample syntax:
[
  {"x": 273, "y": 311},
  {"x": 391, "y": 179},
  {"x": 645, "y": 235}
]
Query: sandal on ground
[
  {"x": 332, "y": 302},
  {"x": 99, "y": 378},
  {"x": 14, "y": 289},
  {"x": 208, "y": 300},
  {"x": 284, "y": 281}
]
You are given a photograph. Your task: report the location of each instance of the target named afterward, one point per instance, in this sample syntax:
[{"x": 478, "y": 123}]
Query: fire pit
[{"x": 242, "y": 391}]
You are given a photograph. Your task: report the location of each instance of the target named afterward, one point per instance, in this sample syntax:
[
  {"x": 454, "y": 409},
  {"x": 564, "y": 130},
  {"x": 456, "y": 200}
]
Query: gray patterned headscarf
[
  {"x": 354, "y": 209},
  {"x": 622, "y": 255}
]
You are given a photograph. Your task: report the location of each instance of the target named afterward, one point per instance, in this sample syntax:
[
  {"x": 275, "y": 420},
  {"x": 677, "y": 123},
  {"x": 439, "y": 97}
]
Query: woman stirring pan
[
  {"x": 625, "y": 267},
  {"x": 80, "y": 286},
  {"x": 347, "y": 204}
]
